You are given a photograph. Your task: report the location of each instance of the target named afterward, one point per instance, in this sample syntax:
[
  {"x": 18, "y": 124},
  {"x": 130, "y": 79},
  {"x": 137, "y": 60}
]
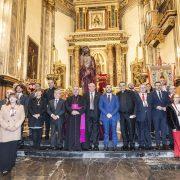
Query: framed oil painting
[
  {"x": 32, "y": 61},
  {"x": 97, "y": 19}
]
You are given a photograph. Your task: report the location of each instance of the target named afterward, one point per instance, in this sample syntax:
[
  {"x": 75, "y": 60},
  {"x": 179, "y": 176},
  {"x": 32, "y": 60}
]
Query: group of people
[{"x": 79, "y": 117}]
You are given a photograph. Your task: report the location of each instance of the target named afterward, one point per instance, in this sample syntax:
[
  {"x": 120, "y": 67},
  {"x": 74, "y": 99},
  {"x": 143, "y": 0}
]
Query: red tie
[{"x": 143, "y": 97}]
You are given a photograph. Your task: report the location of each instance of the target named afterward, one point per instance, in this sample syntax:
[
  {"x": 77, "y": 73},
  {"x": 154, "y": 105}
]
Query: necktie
[
  {"x": 91, "y": 102},
  {"x": 55, "y": 104},
  {"x": 160, "y": 96},
  {"x": 143, "y": 97},
  {"x": 109, "y": 98}
]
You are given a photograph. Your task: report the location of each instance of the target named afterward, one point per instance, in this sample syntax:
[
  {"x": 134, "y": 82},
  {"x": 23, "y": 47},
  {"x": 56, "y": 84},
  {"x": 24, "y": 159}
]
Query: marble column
[
  {"x": 177, "y": 38},
  {"x": 47, "y": 39},
  {"x": 17, "y": 35},
  {"x": 84, "y": 18},
  {"x": 109, "y": 16},
  {"x": 77, "y": 19},
  {"x": 118, "y": 63},
  {"x": 71, "y": 65},
  {"x": 76, "y": 66},
  {"x": 110, "y": 63},
  {"x": 117, "y": 17},
  {"x": 5, "y": 30}
]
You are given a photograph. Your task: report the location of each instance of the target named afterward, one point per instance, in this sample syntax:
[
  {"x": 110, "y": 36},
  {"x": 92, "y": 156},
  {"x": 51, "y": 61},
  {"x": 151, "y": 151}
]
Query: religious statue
[{"x": 87, "y": 69}]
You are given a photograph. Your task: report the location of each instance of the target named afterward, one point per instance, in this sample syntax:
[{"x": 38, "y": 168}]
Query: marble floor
[{"x": 94, "y": 169}]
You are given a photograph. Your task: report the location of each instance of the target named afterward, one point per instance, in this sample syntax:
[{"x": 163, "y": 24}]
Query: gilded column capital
[
  {"x": 118, "y": 46},
  {"x": 76, "y": 48},
  {"x": 49, "y": 4},
  {"x": 110, "y": 46}
]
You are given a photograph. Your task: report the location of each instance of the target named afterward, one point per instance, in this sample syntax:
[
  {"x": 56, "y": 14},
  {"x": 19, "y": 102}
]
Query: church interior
[{"x": 132, "y": 41}]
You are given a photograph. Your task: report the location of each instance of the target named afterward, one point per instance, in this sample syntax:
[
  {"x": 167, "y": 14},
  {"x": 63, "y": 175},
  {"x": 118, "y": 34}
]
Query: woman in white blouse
[{"x": 12, "y": 116}]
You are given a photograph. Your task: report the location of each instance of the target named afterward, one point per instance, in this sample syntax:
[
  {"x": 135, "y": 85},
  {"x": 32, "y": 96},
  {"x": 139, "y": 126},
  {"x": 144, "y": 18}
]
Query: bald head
[{"x": 76, "y": 90}]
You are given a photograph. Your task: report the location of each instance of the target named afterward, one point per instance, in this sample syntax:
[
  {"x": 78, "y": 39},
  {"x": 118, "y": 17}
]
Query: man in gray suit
[{"x": 56, "y": 111}]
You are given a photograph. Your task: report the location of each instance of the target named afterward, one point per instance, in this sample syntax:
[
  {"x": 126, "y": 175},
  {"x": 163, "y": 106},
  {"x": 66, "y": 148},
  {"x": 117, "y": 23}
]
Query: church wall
[
  {"x": 167, "y": 49},
  {"x": 130, "y": 23},
  {"x": 64, "y": 25},
  {"x": 33, "y": 27}
]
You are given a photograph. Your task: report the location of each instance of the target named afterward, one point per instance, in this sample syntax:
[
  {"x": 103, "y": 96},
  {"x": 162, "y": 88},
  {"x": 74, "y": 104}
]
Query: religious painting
[
  {"x": 136, "y": 71},
  {"x": 32, "y": 62},
  {"x": 97, "y": 19},
  {"x": 164, "y": 71}
]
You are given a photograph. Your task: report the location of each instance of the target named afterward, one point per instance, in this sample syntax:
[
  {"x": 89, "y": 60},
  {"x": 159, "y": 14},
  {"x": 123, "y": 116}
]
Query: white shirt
[
  {"x": 92, "y": 93},
  {"x": 159, "y": 93},
  {"x": 19, "y": 95},
  {"x": 109, "y": 94},
  {"x": 177, "y": 109},
  {"x": 145, "y": 103}
]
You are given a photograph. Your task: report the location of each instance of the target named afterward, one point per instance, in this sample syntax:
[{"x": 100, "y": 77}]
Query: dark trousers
[
  {"x": 127, "y": 130},
  {"x": 47, "y": 121},
  {"x": 144, "y": 135},
  {"x": 92, "y": 129},
  {"x": 8, "y": 154},
  {"x": 56, "y": 134},
  {"x": 160, "y": 126},
  {"x": 36, "y": 137}
]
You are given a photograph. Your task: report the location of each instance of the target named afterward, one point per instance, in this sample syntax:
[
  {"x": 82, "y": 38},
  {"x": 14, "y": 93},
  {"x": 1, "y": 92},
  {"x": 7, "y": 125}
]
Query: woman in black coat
[
  {"x": 36, "y": 109},
  {"x": 173, "y": 115}
]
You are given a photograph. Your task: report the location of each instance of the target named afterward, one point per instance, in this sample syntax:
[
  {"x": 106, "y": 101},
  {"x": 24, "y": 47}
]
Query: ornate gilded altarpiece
[{"x": 97, "y": 26}]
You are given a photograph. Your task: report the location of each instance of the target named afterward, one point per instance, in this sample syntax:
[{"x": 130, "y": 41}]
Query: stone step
[{"x": 95, "y": 154}]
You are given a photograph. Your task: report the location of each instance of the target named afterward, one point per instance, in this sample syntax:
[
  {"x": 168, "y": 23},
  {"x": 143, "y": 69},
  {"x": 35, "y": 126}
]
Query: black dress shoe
[
  {"x": 4, "y": 173},
  {"x": 140, "y": 148},
  {"x": 148, "y": 148},
  {"x": 60, "y": 148},
  {"x": 132, "y": 148},
  {"x": 106, "y": 148},
  {"x": 165, "y": 147},
  {"x": 96, "y": 148},
  {"x": 90, "y": 148},
  {"x": 158, "y": 147},
  {"x": 171, "y": 146},
  {"x": 115, "y": 148},
  {"x": 54, "y": 148},
  {"x": 124, "y": 148}
]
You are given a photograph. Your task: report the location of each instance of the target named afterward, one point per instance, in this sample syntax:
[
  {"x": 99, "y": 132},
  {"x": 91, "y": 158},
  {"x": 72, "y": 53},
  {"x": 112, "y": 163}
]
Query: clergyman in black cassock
[{"x": 75, "y": 132}]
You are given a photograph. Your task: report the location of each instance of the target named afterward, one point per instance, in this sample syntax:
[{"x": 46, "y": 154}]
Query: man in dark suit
[
  {"x": 92, "y": 117},
  {"x": 143, "y": 118},
  {"x": 56, "y": 110},
  {"x": 109, "y": 107},
  {"x": 127, "y": 109},
  {"x": 4, "y": 101},
  {"x": 48, "y": 95},
  {"x": 159, "y": 101},
  {"x": 22, "y": 97}
]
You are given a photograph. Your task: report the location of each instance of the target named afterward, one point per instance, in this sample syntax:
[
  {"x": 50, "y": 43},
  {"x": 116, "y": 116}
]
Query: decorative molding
[
  {"x": 66, "y": 7},
  {"x": 96, "y": 2},
  {"x": 98, "y": 36}
]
